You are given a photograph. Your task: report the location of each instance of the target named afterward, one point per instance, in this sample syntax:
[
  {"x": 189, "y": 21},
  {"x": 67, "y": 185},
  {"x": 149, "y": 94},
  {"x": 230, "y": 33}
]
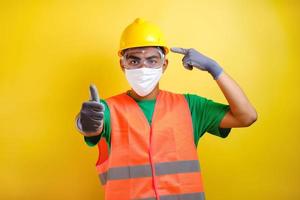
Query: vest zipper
[{"x": 152, "y": 166}]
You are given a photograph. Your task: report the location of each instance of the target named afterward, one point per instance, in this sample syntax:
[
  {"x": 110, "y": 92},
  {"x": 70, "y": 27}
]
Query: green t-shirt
[{"x": 206, "y": 117}]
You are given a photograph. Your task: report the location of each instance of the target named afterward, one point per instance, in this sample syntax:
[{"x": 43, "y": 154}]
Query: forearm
[
  {"x": 241, "y": 112},
  {"x": 240, "y": 107}
]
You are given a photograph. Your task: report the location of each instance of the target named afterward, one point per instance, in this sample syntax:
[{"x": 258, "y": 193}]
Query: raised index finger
[
  {"x": 179, "y": 50},
  {"x": 94, "y": 93}
]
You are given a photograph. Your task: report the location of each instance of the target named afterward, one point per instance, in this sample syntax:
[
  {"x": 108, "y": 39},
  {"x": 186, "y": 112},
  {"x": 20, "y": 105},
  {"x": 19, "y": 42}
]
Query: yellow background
[{"x": 52, "y": 50}]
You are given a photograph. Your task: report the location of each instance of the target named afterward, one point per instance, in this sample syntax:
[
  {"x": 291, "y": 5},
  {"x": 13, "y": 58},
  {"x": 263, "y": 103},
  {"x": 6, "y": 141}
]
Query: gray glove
[
  {"x": 193, "y": 58},
  {"x": 90, "y": 118}
]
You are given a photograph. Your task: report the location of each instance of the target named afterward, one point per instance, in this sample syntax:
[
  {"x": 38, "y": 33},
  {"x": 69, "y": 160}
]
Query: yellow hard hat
[{"x": 142, "y": 33}]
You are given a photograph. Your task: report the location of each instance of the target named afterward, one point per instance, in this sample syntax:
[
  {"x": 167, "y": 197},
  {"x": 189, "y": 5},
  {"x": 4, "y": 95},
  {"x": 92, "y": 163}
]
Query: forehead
[{"x": 143, "y": 51}]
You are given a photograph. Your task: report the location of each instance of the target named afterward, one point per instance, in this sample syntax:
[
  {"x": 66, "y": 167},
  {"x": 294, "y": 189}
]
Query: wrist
[
  {"x": 214, "y": 69},
  {"x": 91, "y": 134}
]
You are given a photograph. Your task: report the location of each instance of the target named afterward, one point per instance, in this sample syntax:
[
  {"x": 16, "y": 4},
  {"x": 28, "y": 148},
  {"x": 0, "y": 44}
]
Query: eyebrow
[
  {"x": 132, "y": 57},
  {"x": 153, "y": 57}
]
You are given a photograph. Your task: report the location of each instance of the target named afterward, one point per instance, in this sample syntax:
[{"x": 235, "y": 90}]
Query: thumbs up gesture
[
  {"x": 91, "y": 114},
  {"x": 193, "y": 58}
]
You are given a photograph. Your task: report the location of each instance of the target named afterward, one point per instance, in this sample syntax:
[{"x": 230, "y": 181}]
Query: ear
[
  {"x": 121, "y": 65},
  {"x": 165, "y": 65}
]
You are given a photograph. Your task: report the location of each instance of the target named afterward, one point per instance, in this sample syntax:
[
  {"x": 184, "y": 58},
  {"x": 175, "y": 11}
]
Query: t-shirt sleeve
[
  {"x": 207, "y": 116},
  {"x": 93, "y": 140}
]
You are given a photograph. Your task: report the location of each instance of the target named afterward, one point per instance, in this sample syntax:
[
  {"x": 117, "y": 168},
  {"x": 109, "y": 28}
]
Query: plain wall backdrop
[{"x": 52, "y": 50}]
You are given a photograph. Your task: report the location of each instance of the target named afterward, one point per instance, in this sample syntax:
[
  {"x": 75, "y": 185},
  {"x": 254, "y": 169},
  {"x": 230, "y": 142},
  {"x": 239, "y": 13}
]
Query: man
[{"x": 147, "y": 137}]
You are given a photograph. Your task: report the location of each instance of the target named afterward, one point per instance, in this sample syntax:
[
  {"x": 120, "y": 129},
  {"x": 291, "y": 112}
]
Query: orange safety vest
[{"x": 150, "y": 162}]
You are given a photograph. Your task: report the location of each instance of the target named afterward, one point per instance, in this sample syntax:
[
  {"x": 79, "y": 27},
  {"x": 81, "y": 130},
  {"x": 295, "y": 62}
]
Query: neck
[{"x": 151, "y": 95}]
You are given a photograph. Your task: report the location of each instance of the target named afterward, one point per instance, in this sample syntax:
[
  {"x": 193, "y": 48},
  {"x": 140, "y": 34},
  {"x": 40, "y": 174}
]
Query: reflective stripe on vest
[
  {"x": 127, "y": 172},
  {"x": 189, "y": 196},
  {"x": 157, "y": 161}
]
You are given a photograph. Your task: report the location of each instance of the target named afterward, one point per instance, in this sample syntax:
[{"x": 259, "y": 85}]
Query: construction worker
[{"x": 147, "y": 137}]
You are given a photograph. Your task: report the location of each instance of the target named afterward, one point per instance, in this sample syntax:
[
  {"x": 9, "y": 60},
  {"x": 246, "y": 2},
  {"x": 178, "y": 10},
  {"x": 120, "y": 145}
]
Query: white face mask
[{"x": 143, "y": 80}]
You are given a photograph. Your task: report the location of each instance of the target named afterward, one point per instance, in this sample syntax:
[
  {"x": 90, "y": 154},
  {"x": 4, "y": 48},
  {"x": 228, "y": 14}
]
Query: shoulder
[
  {"x": 194, "y": 98},
  {"x": 116, "y": 98},
  {"x": 190, "y": 98},
  {"x": 170, "y": 96}
]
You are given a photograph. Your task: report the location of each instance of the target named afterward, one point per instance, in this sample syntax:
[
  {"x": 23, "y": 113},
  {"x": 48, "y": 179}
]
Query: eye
[
  {"x": 153, "y": 61},
  {"x": 133, "y": 62}
]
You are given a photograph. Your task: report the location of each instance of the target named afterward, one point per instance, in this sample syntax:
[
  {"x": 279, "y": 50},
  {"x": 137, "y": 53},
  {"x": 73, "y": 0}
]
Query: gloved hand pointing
[
  {"x": 91, "y": 113},
  {"x": 193, "y": 58}
]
